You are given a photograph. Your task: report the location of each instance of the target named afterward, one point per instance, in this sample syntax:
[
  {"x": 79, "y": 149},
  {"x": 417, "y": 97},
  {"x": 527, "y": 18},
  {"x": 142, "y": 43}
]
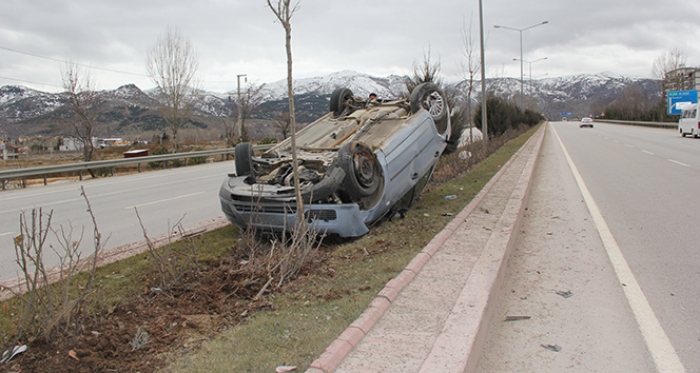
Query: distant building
[
  {"x": 71, "y": 144},
  {"x": 683, "y": 79},
  {"x": 9, "y": 151}
]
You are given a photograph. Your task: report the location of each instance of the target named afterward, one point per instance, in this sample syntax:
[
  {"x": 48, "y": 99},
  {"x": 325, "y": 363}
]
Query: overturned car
[{"x": 363, "y": 161}]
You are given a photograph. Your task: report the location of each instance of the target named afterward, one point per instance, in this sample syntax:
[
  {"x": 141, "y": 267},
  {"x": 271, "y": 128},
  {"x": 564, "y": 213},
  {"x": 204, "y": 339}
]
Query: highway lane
[
  {"x": 644, "y": 181},
  {"x": 188, "y": 195}
]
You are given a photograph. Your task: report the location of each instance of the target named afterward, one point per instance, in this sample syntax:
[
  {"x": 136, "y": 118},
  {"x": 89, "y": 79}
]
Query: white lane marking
[
  {"x": 678, "y": 163},
  {"x": 660, "y": 347},
  {"x": 648, "y": 152},
  {"x": 163, "y": 200},
  {"x": 92, "y": 196},
  {"x": 629, "y": 146},
  {"x": 6, "y": 233},
  {"x": 616, "y": 141},
  {"x": 131, "y": 179}
]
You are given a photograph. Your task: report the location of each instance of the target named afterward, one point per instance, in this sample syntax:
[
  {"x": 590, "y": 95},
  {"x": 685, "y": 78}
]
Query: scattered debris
[
  {"x": 7, "y": 355},
  {"x": 73, "y": 355},
  {"x": 141, "y": 339},
  {"x": 516, "y": 318},
  {"x": 447, "y": 214},
  {"x": 451, "y": 196},
  {"x": 565, "y": 294},
  {"x": 285, "y": 368},
  {"x": 426, "y": 215},
  {"x": 555, "y": 348}
]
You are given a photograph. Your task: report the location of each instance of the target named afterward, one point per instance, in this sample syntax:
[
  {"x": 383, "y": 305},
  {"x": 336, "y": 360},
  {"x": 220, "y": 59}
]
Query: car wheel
[
  {"x": 362, "y": 170},
  {"x": 243, "y": 159},
  {"x": 682, "y": 133},
  {"x": 427, "y": 96},
  {"x": 338, "y": 99}
]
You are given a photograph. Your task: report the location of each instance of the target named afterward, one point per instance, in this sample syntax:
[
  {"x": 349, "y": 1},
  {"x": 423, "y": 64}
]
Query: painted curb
[
  {"x": 461, "y": 342},
  {"x": 331, "y": 358}
]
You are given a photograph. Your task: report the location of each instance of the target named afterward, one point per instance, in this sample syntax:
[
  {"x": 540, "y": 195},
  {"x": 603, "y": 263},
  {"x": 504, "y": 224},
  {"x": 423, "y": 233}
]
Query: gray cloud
[{"x": 379, "y": 37}]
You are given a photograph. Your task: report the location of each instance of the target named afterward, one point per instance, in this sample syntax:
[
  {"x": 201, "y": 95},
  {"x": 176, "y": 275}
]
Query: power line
[
  {"x": 92, "y": 67},
  {"x": 76, "y": 63},
  {"x": 29, "y": 81}
]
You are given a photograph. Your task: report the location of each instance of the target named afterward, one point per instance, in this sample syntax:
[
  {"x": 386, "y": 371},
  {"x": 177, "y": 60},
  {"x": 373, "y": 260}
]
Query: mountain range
[{"x": 129, "y": 111}]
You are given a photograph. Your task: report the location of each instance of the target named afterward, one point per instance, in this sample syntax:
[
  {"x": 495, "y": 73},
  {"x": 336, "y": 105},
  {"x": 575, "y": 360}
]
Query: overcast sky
[{"x": 378, "y": 37}]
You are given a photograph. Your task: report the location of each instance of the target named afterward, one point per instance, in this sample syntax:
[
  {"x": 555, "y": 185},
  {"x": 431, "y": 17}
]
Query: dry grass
[
  {"x": 318, "y": 307},
  {"x": 311, "y": 311}
]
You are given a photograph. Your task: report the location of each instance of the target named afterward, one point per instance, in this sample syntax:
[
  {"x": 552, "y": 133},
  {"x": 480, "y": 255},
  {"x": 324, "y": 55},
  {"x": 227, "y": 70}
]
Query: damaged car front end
[{"x": 363, "y": 161}]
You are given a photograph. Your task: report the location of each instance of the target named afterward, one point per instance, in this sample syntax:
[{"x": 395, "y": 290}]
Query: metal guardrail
[
  {"x": 111, "y": 163},
  {"x": 645, "y": 124}
]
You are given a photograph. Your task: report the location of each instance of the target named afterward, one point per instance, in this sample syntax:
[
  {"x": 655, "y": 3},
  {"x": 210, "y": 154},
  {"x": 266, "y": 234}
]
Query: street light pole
[
  {"x": 484, "y": 116},
  {"x": 520, "y": 30},
  {"x": 529, "y": 63},
  {"x": 239, "y": 118}
]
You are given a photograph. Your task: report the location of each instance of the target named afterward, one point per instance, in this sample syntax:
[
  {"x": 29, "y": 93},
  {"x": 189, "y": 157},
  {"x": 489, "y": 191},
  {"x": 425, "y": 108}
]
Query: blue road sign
[{"x": 676, "y": 100}]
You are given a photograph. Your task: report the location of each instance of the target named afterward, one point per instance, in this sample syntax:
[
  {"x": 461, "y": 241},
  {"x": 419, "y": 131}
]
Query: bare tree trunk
[
  {"x": 284, "y": 12},
  {"x": 82, "y": 101}
]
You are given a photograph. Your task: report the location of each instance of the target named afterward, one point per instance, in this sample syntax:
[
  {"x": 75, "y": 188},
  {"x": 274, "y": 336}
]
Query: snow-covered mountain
[
  {"x": 24, "y": 111},
  {"x": 360, "y": 84}
]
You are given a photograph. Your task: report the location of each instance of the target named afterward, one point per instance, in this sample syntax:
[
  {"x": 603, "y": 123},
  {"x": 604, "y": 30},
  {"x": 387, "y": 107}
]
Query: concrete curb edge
[{"x": 331, "y": 358}]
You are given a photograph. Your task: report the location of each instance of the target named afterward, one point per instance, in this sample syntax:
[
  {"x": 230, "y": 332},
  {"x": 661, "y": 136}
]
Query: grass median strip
[
  {"x": 305, "y": 320},
  {"x": 233, "y": 329}
]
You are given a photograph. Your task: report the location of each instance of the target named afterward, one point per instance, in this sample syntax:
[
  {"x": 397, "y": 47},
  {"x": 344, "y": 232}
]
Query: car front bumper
[{"x": 345, "y": 220}]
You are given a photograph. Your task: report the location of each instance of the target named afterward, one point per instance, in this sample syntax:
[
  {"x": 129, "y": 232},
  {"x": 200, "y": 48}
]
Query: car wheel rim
[
  {"x": 364, "y": 169},
  {"x": 434, "y": 103}
]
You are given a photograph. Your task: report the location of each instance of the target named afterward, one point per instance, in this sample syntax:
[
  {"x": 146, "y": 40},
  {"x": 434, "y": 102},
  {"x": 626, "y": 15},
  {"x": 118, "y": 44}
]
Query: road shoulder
[{"x": 568, "y": 307}]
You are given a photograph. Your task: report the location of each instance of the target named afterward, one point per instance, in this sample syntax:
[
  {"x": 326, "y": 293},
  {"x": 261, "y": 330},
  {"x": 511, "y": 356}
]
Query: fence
[{"x": 81, "y": 167}]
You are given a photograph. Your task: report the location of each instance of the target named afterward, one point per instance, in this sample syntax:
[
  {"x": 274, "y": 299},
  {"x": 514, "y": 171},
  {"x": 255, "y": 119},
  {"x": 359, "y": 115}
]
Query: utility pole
[
  {"x": 484, "y": 116},
  {"x": 239, "y": 119}
]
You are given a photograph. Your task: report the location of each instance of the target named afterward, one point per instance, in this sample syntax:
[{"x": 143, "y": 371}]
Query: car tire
[
  {"x": 338, "y": 99},
  {"x": 429, "y": 97},
  {"x": 363, "y": 174},
  {"x": 243, "y": 159}
]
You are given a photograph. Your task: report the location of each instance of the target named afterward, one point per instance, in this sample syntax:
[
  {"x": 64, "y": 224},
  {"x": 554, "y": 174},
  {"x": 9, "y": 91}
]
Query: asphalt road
[
  {"x": 164, "y": 198},
  {"x": 645, "y": 182}
]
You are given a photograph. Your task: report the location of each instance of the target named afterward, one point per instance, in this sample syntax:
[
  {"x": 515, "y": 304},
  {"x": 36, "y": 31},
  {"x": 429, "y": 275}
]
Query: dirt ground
[{"x": 138, "y": 335}]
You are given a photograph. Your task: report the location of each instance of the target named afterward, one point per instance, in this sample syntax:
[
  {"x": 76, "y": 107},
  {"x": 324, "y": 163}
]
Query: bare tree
[
  {"x": 424, "y": 73},
  {"x": 228, "y": 123},
  {"x": 669, "y": 61},
  {"x": 250, "y": 101},
  {"x": 284, "y": 11},
  {"x": 172, "y": 65},
  {"x": 280, "y": 119},
  {"x": 470, "y": 68},
  {"x": 82, "y": 102},
  {"x": 665, "y": 63}
]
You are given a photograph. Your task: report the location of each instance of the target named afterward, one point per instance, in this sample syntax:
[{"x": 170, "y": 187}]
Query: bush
[
  {"x": 504, "y": 115},
  {"x": 198, "y": 160},
  {"x": 159, "y": 151},
  {"x": 267, "y": 140}
]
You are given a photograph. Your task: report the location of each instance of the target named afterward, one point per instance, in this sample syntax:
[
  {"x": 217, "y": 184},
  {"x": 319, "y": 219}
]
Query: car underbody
[{"x": 361, "y": 162}]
